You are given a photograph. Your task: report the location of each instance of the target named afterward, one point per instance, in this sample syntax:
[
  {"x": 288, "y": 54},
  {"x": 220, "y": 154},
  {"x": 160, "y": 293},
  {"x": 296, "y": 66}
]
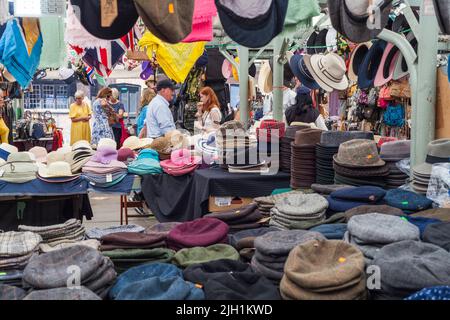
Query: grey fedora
[
  {"x": 438, "y": 152},
  {"x": 395, "y": 150}
]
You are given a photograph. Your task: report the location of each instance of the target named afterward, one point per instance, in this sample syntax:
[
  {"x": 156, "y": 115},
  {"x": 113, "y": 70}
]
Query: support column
[
  {"x": 243, "y": 83},
  {"x": 277, "y": 80}
]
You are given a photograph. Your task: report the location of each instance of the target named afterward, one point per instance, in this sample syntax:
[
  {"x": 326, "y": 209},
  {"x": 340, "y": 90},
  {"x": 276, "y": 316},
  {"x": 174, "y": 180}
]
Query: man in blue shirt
[{"x": 159, "y": 118}]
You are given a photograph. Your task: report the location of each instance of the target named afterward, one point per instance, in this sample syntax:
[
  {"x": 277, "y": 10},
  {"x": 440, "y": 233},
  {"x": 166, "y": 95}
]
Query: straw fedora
[
  {"x": 388, "y": 62},
  {"x": 329, "y": 71},
  {"x": 357, "y": 57},
  {"x": 134, "y": 143},
  {"x": 265, "y": 78},
  {"x": 58, "y": 169},
  {"x": 55, "y": 156}
]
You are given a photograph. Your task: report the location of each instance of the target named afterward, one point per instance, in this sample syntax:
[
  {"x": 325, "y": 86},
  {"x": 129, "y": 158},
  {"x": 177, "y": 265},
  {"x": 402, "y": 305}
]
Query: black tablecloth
[{"x": 186, "y": 198}]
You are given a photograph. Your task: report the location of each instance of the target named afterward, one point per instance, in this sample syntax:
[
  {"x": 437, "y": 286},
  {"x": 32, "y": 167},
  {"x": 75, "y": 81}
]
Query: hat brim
[
  {"x": 379, "y": 163},
  {"x": 357, "y": 57},
  {"x": 297, "y": 65},
  {"x": 323, "y": 81},
  {"x": 370, "y": 65},
  {"x": 321, "y": 84},
  {"x": 44, "y": 173},
  {"x": 401, "y": 68},
  {"x": 386, "y": 69},
  {"x": 423, "y": 169}
]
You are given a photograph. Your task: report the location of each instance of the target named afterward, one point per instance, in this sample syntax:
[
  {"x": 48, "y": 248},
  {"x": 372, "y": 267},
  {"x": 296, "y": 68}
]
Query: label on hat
[
  {"x": 3, "y": 273},
  {"x": 109, "y": 177},
  {"x": 369, "y": 156},
  {"x": 405, "y": 203},
  {"x": 109, "y": 12},
  {"x": 223, "y": 202},
  {"x": 199, "y": 286},
  {"x": 403, "y": 218},
  {"x": 171, "y": 8},
  {"x": 342, "y": 260}
]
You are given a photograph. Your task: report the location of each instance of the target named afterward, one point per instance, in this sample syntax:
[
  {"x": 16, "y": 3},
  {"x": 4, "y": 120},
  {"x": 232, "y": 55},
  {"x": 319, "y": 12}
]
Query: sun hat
[
  {"x": 6, "y": 150},
  {"x": 21, "y": 167},
  {"x": 328, "y": 70},
  {"x": 358, "y": 153},
  {"x": 104, "y": 155},
  {"x": 265, "y": 78},
  {"x": 357, "y": 57},
  {"x": 134, "y": 143},
  {"x": 81, "y": 144},
  {"x": 388, "y": 62},
  {"x": 56, "y": 169},
  {"x": 107, "y": 142},
  {"x": 125, "y": 155},
  {"x": 301, "y": 72},
  {"x": 369, "y": 66},
  {"x": 40, "y": 154}
]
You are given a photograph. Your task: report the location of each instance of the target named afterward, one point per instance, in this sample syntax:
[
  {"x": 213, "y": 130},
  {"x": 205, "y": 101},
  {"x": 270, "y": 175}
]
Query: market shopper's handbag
[{"x": 401, "y": 89}]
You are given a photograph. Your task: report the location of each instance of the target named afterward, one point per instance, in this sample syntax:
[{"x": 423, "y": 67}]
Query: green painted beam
[{"x": 243, "y": 84}]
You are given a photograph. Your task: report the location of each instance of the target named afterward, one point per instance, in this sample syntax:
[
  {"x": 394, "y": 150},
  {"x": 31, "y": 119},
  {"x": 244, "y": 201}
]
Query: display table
[{"x": 186, "y": 198}]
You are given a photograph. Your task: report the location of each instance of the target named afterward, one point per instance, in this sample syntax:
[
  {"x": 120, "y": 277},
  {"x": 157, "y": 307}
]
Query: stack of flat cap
[
  {"x": 300, "y": 211},
  {"x": 303, "y": 161},
  {"x": 98, "y": 233},
  {"x": 438, "y": 152},
  {"x": 391, "y": 153},
  {"x": 409, "y": 266},
  {"x": 201, "y": 232},
  {"x": 72, "y": 230},
  {"x": 370, "y": 232},
  {"x": 247, "y": 217},
  {"x": 231, "y": 280},
  {"x": 189, "y": 256},
  {"x": 11, "y": 293},
  {"x": 17, "y": 248},
  {"x": 80, "y": 155},
  {"x": 131, "y": 240},
  {"x": 265, "y": 204},
  {"x": 244, "y": 241},
  {"x": 76, "y": 294},
  {"x": 348, "y": 198},
  {"x": 324, "y": 270},
  {"x": 359, "y": 164},
  {"x": 49, "y": 270},
  {"x": 328, "y": 147},
  {"x": 407, "y": 201},
  {"x": 272, "y": 250},
  {"x": 285, "y": 146}
]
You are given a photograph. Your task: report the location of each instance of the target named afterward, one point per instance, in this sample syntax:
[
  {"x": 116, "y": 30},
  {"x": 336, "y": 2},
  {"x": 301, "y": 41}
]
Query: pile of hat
[
  {"x": 352, "y": 197},
  {"x": 328, "y": 147},
  {"x": 16, "y": 250},
  {"x": 438, "y": 152},
  {"x": 285, "y": 146},
  {"x": 231, "y": 280},
  {"x": 359, "y": 164},
  {"x": 21, "y": 167},
  {"x": 269, "y": 134},
  {"x": 244, "y": 241},
  {"x": 131, "y": 240},
  {"x": 391, "y": 153},
  {"x": 303, "y": 162},
  {"x": 265, "y": 204},
  {"x": 273, "y": 248},
  {"x": 80, "y": 155},
  {"x": 370, "y": 232},
  {"x": 181, "y": 162},
  {"x": 409, "y": 266},
  {"x": 147, "y": 162},
  {"x": 324, "y": 270},
  {"x": 55, "y": 269},
  {"x": 201, "y": 232},
  {"x": 247, "y": 217},
  {"x": 299, "y": 211},
  {"x": 70, "y": 231},
  {"x": 155, "y": 281},
  {"x": 98, "y": 233}
]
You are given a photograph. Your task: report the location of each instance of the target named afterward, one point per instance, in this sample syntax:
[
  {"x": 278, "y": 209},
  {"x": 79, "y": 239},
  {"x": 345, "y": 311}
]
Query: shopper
[
  {"x": 159, "y": 117},
  {"x": 119, "y": 109},
  {"x": 80, "y": 113},
  {"x": 147, "y": 97},
  {"x": 208, "y": 116},
  {"x": 104, "y": 115},
  {"x": 303, "y": 110},
  {"x": 4, "y": 130}
]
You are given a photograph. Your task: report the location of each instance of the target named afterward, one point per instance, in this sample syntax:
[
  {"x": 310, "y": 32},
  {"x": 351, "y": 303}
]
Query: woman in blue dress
[{"x": 103, "y": 114}]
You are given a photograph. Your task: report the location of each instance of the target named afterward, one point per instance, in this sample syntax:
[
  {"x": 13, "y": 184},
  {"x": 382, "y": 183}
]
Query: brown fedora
[
  {"x": 308, "y": 137},
  {"x": 359, "y": 153}
]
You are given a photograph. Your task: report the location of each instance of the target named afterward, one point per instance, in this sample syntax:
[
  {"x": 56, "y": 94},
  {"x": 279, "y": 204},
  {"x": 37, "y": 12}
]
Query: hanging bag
[
  {"x": 401, "y": 89},
  {"x": 394, "y": 115}
]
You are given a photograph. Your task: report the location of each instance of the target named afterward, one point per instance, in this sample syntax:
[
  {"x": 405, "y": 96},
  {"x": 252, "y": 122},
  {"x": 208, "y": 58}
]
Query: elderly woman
[
  {"x": 104, "y": 116},
  {"x": 80, "y": 114}
]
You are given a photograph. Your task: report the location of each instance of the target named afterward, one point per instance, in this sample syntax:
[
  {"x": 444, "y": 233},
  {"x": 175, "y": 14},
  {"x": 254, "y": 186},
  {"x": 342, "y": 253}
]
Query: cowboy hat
[
  {"x": 357, "y": 56},
  {"x": 302, "y": 73},
  {"x": 328, "y": 71},
  {"x": 387, "y": 65},
  {"x": 370, "y": 65}
]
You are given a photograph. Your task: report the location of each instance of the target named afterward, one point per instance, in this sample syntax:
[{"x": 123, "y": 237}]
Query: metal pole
[
  {"x": 243, "y": 84},
  {"x": 277, "y": 80}
]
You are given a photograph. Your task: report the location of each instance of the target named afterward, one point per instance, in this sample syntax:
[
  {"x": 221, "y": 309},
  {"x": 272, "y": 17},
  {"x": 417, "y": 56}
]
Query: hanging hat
[
  {"x": 227, "y": 69},
  {"x": 442, "y": 10},
  {"x": 401, "y": 67},
  {"x": 107, "y": 142},
  {"x": 40, "y": 153},
  {"x": 311, "y": 43},
  {"x": 147, "y": 71},
  {"x": 301, "y": 72},
  {"x": 67, "y": 75},
  {"x": 328, "y": 71},
  {"x": 265, "y": 78},
  {"x": 331, "y": 40},
  {"x": 321, "y": 41},
  {"x": 369, "y": 67},
  {"x": 168, "y": 20},
  {"x": 6, "y": 150},
  {"x": 251, "y": 23},
  {"x": 351, "y": 19},
  {"x": 387, "y": 65},
  {"x": 89, "y": 14},
  {"x": 357, "y": 57}
]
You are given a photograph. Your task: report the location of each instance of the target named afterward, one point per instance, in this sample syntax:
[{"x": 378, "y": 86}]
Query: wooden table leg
[
  {"x": 121, "y": 210},
  {"x": 126, "y": 209}
]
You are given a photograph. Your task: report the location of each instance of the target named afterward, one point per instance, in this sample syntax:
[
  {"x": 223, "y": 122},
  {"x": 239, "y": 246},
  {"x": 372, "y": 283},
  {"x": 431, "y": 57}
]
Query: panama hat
[
  {"x": 370, "y": 65},
  {"x": 301, "y": 72},
  {"x": 265, "y": 78},
  {"x": 387, "y": 65},
  {"x": 329, "y": 71},
  {"x": 357, "y": 56},
  {"x": 401, "y": 67},
  {"x": 350, "y": 18},
  {"x": 135, "y": 143},
  {"x": 40, "y": 153},
  {"x": 107, "y": 142},
  {"x": 89, "y": 14},
  {"x": 442, "y": 9},
  {"x": 57, "y": 169}
]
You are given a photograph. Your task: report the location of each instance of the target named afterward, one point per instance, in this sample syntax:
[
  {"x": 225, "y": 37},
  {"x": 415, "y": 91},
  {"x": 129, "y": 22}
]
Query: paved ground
[{"x": 107, "y": 213}]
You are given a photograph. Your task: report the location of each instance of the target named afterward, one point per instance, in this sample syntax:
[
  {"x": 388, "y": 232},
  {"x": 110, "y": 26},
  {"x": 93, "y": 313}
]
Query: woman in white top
[{"x": 208, "y": 115}]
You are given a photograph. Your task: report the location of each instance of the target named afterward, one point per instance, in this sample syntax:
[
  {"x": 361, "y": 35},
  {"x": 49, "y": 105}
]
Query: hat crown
[
  {"x": 334, "y": 65},
  {"x": 358, "y": 8},
  {"x": 359, "y": 152},
  {"x": 21, "y": 157},
  {"x": 308, "y": 136},
  {"x": 439, "y": 148},
  {"x": 59, "y": 168},
  {"x": 8, "y": 148}
]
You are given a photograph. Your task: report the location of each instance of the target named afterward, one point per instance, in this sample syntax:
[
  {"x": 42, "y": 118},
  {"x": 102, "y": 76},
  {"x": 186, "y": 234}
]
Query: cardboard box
[{"x": 220, "y": 204}]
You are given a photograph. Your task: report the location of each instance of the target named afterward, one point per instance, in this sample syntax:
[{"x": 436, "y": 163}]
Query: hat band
[
  {"x": 305, "y": 71},
  {"x": 432, "y": 159},
  {"x": 326, "y": 73},
  {"x": 363, "y": 19}
]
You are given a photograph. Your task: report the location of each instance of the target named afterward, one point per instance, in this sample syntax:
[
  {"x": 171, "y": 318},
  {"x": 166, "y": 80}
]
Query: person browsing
[{"x": 159, "y": 118}]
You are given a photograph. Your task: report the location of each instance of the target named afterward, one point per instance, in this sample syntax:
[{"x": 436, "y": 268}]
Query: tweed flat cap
[
  {"x": 268, "y": 270},
  {"x": 421, "y": 223},
  {"x": 338, "y": 205},
  {"x": 158, "y": 288},
  {"x": 229, "y": 216},
  {"x": 131, "y": 239},
  {"x": 442, "y": 214},
  {"x": 49, "y": 270},
  {"x": 383, "y": 209},
  {"x": 280, "y": 243},
  {"x": 200, "y": 273},
  {"x": 438, "y": 234},
  {"x": 63, "y": 294},
  {"x": 13, "y": 244},
  {"x": 409, "y": 266},
  {"x": 434, "y": 293},
  {"x": 301, "y": 204},
  {"x": 235, "y": 238},
  {"x": 97, "y": 233},
  {"x": 407, "y": 200},
  {"x": 189, "y": 256},
  {"x": 333, "y": 231},
  {"x": 200, "y": 232},
  {"x": 11, "y": 293},
  {"x": 381, "y": 228},
  {"x": 143, "y": 272},
  {"x": 324, "y": 269}
]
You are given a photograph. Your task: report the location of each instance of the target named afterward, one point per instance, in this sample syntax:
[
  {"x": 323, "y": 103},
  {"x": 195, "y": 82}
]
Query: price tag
[
  {"x": 223, "y": 202},
  {"x": 109, "y": 177},
  {"x": 109, "y": 12}
]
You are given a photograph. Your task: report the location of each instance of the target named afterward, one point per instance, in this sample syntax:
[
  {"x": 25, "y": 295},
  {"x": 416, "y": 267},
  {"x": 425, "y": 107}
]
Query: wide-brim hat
[
  {"x": 88, "y": 13},
  {"x": 81, "y": 144},
  {"x": 265, "y": 78},
  {"x": 40, "y": 154},
  {"x": 357, "y": 57},
  {"x": 227, "y": 69},
  {"x": 6, "y": 150},
  {"x": 369, "y": 67},
  {"x": 301, "y": 72},
  {"x": 134, "y": 143},
  {"x": 331, "y": 40},
  {"x": 329, "y": 71},
  {"x": 57, "y": 169},
  {"x": 252, "y": 32},
  {"x": 321, "y": 41},
  {"x": 401, "y": 67},
  {"x": 438, "y": 152},
  {"x": 107, "y": 142},
  {"x": 442, "y": 10},
  {"x": 386, "y": 69},
  {"x": 354, "y": 26},
  {"x": 169, "y": 20}
]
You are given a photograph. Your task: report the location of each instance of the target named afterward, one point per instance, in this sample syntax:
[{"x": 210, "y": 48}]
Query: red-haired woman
[{"x": 209, "y": 115}]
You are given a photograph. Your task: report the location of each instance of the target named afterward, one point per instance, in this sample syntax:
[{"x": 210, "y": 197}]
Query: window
[
  {"x": 53, "y": 95},
  {"x": 33, "y": 99}
]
